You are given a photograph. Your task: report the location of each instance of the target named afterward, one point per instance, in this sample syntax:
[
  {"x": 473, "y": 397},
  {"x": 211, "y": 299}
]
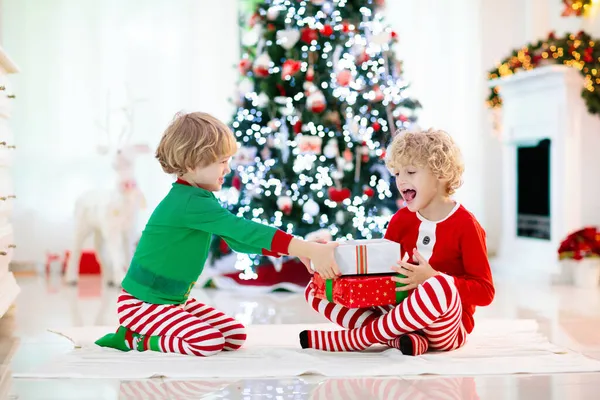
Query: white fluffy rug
[{"x": 495, "y": 347}]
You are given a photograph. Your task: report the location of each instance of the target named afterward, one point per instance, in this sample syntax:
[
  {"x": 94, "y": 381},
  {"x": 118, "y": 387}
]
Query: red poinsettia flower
[{"x": 580, "y": 244}]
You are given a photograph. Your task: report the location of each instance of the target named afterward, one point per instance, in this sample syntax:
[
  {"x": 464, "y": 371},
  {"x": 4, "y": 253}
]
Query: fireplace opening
[{"x": 533, "y": 190}]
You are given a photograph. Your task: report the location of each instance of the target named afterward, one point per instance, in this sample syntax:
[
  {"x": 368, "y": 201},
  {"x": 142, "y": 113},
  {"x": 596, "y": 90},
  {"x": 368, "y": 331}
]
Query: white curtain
[{"x": 174, "y": 54}]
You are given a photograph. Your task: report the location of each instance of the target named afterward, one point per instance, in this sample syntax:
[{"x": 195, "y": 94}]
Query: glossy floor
[{"x": 570, "y": 317}]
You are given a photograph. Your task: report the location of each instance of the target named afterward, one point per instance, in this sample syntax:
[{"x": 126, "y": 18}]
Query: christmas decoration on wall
[
  {"x": 576, "y": 8},
  {"x": 579, "y": 51},
  {"x": 325, "y": 99}
]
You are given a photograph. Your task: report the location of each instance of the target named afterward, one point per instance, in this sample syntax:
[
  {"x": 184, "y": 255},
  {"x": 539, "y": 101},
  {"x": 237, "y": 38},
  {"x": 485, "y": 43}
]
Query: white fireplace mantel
[{"x": 546, "y": 103}]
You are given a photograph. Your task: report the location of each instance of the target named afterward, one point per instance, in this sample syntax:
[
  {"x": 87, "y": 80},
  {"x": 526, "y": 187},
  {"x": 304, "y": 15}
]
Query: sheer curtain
[{"x": 174, "y": 55}]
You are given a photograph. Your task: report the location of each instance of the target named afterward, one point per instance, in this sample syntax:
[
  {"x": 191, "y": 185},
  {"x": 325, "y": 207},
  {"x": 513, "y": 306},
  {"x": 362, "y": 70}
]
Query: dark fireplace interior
[{"x": 533, "y": 190}]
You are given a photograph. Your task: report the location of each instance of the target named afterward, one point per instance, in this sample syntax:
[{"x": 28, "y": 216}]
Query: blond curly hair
[
  {"x": 433, "y": 149},
  {"x": 192, "y": 140}
]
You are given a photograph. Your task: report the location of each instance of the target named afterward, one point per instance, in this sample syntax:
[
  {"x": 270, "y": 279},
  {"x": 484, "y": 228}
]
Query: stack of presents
[{"x": 366, "y": 271}]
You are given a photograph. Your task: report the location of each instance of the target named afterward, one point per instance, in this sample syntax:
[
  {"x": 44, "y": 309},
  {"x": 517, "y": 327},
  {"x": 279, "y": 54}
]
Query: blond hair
[
  {"x": 194, "y": 140},
  {"x": 433, "y": 149}
]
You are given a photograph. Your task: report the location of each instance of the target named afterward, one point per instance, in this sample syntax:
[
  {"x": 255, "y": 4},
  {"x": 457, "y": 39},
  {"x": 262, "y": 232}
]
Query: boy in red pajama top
[
  {"x": 447, "y": 271},
  {"x": 155, "y": 309}
]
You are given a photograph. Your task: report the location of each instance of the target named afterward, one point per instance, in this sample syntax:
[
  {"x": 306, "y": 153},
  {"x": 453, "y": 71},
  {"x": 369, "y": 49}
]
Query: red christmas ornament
[
  {"x": 290, "y": 68},
  {"x": 363, "y": 58},
  {"x": 365, "y": 158},
  {"x": 261, "y": 72},
  {"x": 270, "y": 27},
  {"x": 403, "y": 118},
  {"x": 369, "y": 191},
  {"x": 338, "y": 195},
  {"x": 310, "y": 74},
  {"x": 382, "y": 156},
  {"x": 344, "y": 77},
  {"x": 307, "y": 35},
  {"x": 244, "y": 65},
  {"x": 327, "y": 30},
  {"x": 394, "y": 35},
  {"x": 281, "y": 89},
  {"x": 345, "y": 27},
  {"x": 298, "y": 127},
  {"x": 285, "y": 205},
  {"x": 262, "y": 65},
  {"x": 376, "y": 126},
  {"x": 287, "y": 210},
  {"x": 224, "y": 247},
  {"x": 316, "y": 103},
  {"x": 236, "y": 182}
]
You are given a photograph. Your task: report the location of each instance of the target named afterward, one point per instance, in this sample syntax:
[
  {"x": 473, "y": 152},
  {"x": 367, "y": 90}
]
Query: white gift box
[{"x": 363, "y": 257}]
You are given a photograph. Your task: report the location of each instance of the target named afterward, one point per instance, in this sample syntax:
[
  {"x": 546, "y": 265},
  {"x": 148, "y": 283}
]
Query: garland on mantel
[
  {"x": 576, "y": 8},
  {"x": 579, "y": 51}
]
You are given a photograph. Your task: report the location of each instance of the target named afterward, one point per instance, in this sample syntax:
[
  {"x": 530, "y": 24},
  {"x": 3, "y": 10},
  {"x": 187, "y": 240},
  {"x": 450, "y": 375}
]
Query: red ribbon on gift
[{"x": 361, "y": 260}]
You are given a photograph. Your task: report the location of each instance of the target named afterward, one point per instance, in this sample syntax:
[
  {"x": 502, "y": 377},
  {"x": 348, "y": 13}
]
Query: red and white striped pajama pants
[
  {"x": 192, "y": 328},
  {"x": 430, "y": 316}
]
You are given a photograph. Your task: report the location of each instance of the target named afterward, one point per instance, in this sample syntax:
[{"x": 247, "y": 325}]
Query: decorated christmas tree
[{"x": 320, "y": 97}]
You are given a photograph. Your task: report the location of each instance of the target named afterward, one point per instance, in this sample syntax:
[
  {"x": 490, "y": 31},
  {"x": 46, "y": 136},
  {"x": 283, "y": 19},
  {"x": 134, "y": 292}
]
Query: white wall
[{"x": 70, "y": 53}]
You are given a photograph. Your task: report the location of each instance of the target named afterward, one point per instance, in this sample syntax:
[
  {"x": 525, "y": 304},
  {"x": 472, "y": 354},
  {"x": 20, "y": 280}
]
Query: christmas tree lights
[{"x": 320, "y": 97}]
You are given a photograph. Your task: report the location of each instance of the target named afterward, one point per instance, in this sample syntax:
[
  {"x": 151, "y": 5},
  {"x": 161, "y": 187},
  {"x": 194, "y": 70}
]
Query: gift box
[
  {"x": 360, "y": 291},
  {"x": 364, "y": 257}
]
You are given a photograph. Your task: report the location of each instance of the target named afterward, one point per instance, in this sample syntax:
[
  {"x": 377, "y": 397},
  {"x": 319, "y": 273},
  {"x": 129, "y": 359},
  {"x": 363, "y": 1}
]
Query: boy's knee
[
  {"x": 439, "y": 284},
  {"x": 443, "y": 280},
  {"x": 209, "y": 346}
]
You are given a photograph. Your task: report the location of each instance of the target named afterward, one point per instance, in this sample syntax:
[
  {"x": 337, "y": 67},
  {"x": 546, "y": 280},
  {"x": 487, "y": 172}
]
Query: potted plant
[{"x": 581, "y": 251}]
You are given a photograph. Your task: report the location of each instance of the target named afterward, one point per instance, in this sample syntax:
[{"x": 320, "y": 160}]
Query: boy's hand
[
  {"x": 306, "y": 260},
  {"x": 324, "y": 261},
  {"x": 415, "y": 274}
]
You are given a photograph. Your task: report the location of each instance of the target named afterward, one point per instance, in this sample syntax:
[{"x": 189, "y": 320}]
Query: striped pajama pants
[
  {"x": 430, "y": 316},
  {"x": 192, "y": 328}
]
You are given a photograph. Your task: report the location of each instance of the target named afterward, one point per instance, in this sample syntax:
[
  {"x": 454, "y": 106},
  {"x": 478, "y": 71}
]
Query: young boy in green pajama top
[{"x": 155, "y": 310}]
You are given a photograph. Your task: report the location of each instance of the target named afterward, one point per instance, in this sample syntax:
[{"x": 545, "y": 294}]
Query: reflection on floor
[{"x": 569, "y": 317}]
